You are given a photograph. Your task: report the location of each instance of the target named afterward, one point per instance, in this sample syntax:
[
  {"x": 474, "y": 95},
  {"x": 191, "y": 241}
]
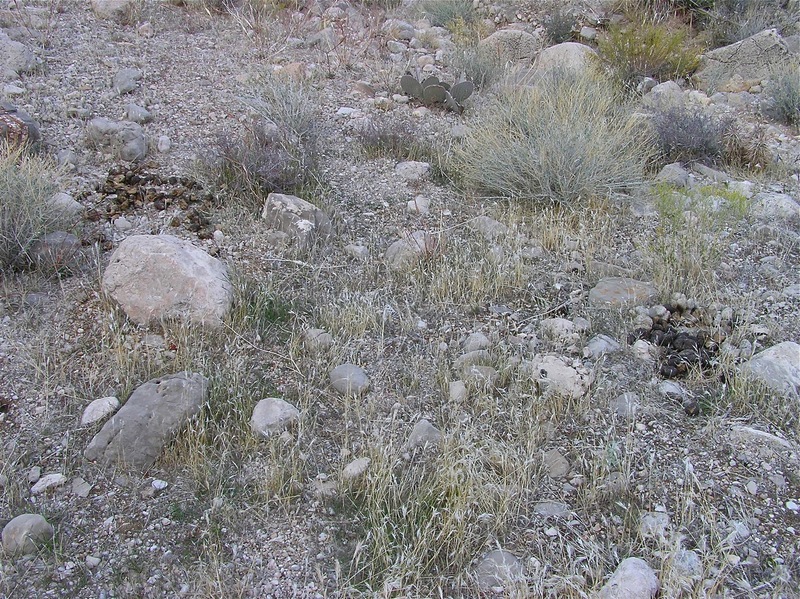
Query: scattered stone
[
  {"x": 138, "y": 114},
  {"x": 124, "y": 139},
  {"x": 478, "y": 357},
  {"x": 99, "y": 409},
  {"x": 511, "y": 45},
  {"x": 687, "y": 566},
  {"x": 126, "y": 81},
  {"x": 424, "y": 435},
  {"x": 633, "y": 579},
  {"x": 588, "y": 33},
  {"x": 672, "y": 390},
  {"x": 552, "y": 509},
  {"x": 64, "y": 208},
  {"x": 25, "y": 533},
  {"x": 625, "y": 406},
  {"x": 654, "y": 525},
  {"x": 154, "y": 413},
  {"x": 272, "y": 416},
  {"x": 163, "y": 144},
  {"x": 301, "y": 220},
  {"x": 601, "y": 345},
  {"x": 458, "y": 392},
  {"x": 558, "y": 329},
  {"x": 412, "y": 170},
  {"x": 419, "y": 205},
  {"x": 157, "y": 277},
  {"x": 555, "y": 376},
  {"x": 555, "y": 464},
  {"x": 56, "y": 250},
  {"x": 476, "y": 341},
  {"x": 357, "y": 251},
  {"x": 47, "y": 482},
  {"x": 92, "y": 561},
  {"x": 117, "y": 10},
  {"x": 405, "y": 252},
  {"x": 488, "y": 227},
  {"x": 15, "y": 57},
  {"x": 778, "y": 368},
  {"x": 499, "y": 569},
  {"x": 34, "y": 474},
  {"x": 349, "y": 379},
  {"x": 480, "y": 377},
  {"x": 17, "y": 127},
  {"x": 80, "y": 487},
  {"x": 617, "y": 292},
  {"x": 355, "y": 469},
  {"x": 317, "y": 340}
]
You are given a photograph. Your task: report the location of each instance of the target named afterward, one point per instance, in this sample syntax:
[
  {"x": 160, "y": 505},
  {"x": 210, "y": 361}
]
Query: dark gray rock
[{"x": 136, "y": 435}]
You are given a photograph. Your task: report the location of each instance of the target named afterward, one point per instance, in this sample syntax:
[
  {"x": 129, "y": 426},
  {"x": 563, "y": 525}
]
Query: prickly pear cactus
[{"x": 432, "y": 91}]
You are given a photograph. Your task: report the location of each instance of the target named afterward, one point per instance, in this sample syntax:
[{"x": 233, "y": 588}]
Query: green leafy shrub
[
  {"x": 26, "y": 185},
  {"x": 649, "y": 50},
  {"x": 446, "y": 13},
  {"x": 566, "y": 137}
]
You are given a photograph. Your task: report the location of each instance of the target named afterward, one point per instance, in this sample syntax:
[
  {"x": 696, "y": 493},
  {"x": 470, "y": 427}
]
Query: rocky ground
[{"x": 397, "y": 387}]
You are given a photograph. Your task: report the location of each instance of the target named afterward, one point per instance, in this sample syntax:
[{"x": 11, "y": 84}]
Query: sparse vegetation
[
  {"x": 649, "y": 49},
  {"x": 447, "y": 13},
  {"x": 559, "y": 25},
  {"x": 563, "y": 139},
  {"x": 784, "y": 94},
  {"x": 26, "y": 185},
  {"x": 730, "y": 21}
]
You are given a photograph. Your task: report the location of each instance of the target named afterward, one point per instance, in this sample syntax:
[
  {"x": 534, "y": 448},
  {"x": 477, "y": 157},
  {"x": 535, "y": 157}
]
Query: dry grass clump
[
  {"x": 730, "y": 21},
  {"x": 446, "y": 13},
  {"x": 277, "y": 152},
  {"x": 386, "y": 136},
  {"x": 565, "y": 138},
  {"x": 26, "y": 185},
  {"x": 481, "y": 65},
  {"x": 783, "y": 92}
]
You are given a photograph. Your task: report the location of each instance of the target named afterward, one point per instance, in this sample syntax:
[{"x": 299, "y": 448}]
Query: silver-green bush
[
  {"x": 26, "y": 185},
  {"x": 566, "y": 137}
]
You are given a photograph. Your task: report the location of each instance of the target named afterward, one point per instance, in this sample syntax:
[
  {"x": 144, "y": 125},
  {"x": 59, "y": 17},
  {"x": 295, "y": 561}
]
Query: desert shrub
[
  {"x": 688, "y": 133},
  {"x": 276, "y": 152},
  {"x": 26, "y": 185},
  {"x": 783, "y": 94},
  {"x": 446, "y": 13},
  {"x": 390, "y": 137},
  {"x": 566, "y": 137},
  {"x": 478, "y": 64},
  {"x": 648, "y": 49},
  {"x": 730, "y": 21},
  {"x": 558, "y": 25},
  {"x": 685, "y": 133}
]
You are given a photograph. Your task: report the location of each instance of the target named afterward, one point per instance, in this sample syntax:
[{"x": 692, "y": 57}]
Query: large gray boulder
[
  {"x": 569, "y": 56},
  {"x": 155, "y": 412},
  {"x": 753, "y": 58},
  {"x": 124, "y": 139},
  {"x": 25, "y": 533},
  {"x": 155, "y": 277},
  {"x": 512, "y": 44},
  {"x": 778, "y": 368},
  {"x": 302, "y": 221}
]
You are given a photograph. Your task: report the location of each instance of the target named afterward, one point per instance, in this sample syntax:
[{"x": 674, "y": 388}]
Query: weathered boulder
[
  {"x": 633, "y": 579},
  {"x": 152, "y": 416},
  {"x": 25, "y": 533},
  {"x": 154, "y": 277},
  {"x": 752, "y": 58},
  {"x": 117, "y": 10},
  {"x": 303, "y": 222},
  {"x": 15, "y": 57},
  {"x": 778, "y": 368},
  {"x": 349, "y": 379},
  {"x": 617, "y": 292},
  {"x": 124, "y": 139},
  {"x": 512, "y": 44},
  {"x": 569, "y": 56},
  {"x": 272, "y": 416}
]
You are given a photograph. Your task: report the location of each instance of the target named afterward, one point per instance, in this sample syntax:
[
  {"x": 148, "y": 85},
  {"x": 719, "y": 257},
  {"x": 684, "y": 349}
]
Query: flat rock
[
  {"x": 124, "y": 139},
  {"x": 777, "y": 367},
  {"x": 654, "y": 525},
  {"x": 156, "y": 277},
  {"x": 355, "y": 469},
  {"x": 272, "y": 416},
  {"x": 424, "y": 434},
  {"x": 771, "y": 206},
  {"x": 499, "y": 569},
  {"x": 64, "y": 208},
  {"x": 625, "y": 406},
  {"x": 617, "y": 292},
  {"x": 555, "y": 464},
  {"x": 302, "y": 221},
  {"x": 349, "y": 379},
  {"x": 317, "y": 340},
  {"x": 633, "y": 579},
  {"x": 490, "y": 228},
  {"x": 753, "y": 58},
  {"x": 458, "y": 391},
  {"x": 551, "y": 509},
  {"x": 152, "y": 416},
  {"x": 25, "y": 533},
  {"x": 47, "y": 482},
  {"x": 412, "y": 170},
  {"x": 15, "y": 57},
  {"x": 99, "y": 409},
  {"x": 601, "y": 345}
]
